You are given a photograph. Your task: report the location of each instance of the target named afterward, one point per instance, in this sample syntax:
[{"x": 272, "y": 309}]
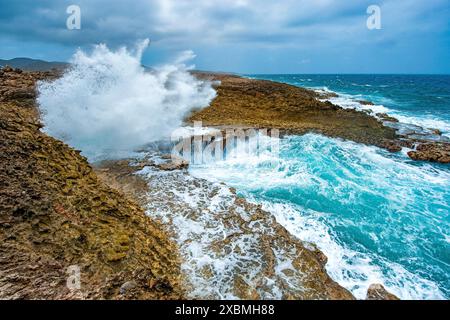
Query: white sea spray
[{"x": 107, "y": 103}]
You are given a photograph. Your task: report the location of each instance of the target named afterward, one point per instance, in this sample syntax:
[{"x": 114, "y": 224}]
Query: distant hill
[{"x": 33, "y": 64}]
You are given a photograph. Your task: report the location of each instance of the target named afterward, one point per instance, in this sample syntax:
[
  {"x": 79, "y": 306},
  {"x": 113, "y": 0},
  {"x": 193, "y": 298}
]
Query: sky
[{"x": 243, "y": 36}]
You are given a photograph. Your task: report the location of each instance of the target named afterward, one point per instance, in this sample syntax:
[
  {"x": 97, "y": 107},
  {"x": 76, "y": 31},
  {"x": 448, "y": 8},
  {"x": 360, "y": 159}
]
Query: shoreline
[
  {"x": 315, "y": 118},
  {"x": 298, "y": 110},
  {"x": 238, "y": 220}
]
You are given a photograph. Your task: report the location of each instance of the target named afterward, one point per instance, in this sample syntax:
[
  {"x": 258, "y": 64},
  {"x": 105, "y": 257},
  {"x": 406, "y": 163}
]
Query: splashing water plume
[{"x": 107, "y": 104}]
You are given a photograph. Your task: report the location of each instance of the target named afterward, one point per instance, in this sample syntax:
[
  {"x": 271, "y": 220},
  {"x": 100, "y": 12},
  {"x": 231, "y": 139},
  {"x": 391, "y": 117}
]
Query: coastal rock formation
[
  {"x": 56, "y": 212},
  {"x": 230, "y": 248},
  {"x": 18, "y": 86},
  {"x": 326, "y": 95},
  {"x": 386, "y": 117},
  {"x": 366, "y": 103},
  {"x": 435, "y": 152},
  {"x": 267, "y": 104},
  {"x": 378, "y": 292},
  {"x": 392, "y": 146},
  {"x": 57, "y": 216},
  {"x": 253, "y": 103}
]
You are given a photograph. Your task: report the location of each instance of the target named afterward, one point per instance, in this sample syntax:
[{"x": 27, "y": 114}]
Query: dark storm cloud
[{"x": 290, "y": 29}]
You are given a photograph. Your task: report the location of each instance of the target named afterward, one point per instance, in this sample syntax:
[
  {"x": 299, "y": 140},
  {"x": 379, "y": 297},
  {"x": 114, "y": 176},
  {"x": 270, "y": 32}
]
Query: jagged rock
[
  {"x": 365, "y": 102},
  {"x": 170, "y": 166},
  {"x": 436, "y": 132},
  {"x": 378, "y": 292},
  {"x": 20, "y": 93},
  {"x": 7, "y": 69},
  {"x": 55, "y": 213},
  {"x": 392, "y": 146},
  {"x": 173, "y": 163},
  {"x": 268, "y": 104},
  {"x": 251, "y": 238},
  {"x": 386, "y": 117},
  {"x": 435, "y": 152},
  {"x": 127, "y": 287},
  {"x": 327, "y": 95},
  {"x": 406, "y": 143}
]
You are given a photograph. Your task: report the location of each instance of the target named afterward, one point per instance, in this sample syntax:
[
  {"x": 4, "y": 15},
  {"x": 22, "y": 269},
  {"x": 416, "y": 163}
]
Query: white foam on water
[
  {"x": 424, "y": 122},
  {"x": 348, "y": 101},
  {"x": 106, "y": 103},
  {"x": 353, "y": 270},
  {"x": 222, "y": 240},
  {"x": 198, "y": 214},
  {"x": 394, "y": 180}
]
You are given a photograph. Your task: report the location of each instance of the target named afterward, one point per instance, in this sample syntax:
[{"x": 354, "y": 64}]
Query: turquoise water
[
  {"x": 379, "y": 217},
  {"x": 417, "y": 99}
]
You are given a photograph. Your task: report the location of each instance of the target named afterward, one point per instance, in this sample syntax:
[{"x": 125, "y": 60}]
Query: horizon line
[{"x": 264, "y": 73}]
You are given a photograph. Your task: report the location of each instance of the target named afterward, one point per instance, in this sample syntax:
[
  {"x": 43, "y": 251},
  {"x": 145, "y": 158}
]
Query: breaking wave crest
[{"x": 108, "y": 104}]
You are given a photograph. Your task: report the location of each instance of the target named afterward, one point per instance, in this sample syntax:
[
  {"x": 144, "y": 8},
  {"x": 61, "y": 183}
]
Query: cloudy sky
[{"x": 246, "y": 36}]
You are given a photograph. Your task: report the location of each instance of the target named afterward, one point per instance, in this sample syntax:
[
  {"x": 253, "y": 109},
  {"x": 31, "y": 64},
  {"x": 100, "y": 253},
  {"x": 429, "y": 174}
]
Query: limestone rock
[
  {"x": 392, "y": 146},
  {"x": 386, "y": 117},
  {"x": 267, "y": 104},
  {"x": 365, "y": 103},
  {"x": 378, "y": 292},
  {"x": 435, "y": 152},
  {"x": 127, "y": 287},
  {"x": 56, "y": 213},
  {"x": 173, "y": 163}
]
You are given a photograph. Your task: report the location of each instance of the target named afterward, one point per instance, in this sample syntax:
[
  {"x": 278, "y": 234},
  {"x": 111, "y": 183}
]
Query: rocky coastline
[
  {"x": 110, "y": 219},
  {"x": 56, "y": 215},
  {"x": 293, "y": 110}
]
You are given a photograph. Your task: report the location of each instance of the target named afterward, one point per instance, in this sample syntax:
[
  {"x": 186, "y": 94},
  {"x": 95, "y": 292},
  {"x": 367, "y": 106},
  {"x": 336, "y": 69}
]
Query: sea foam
[
  {"x": 108, "y": 104},
  {"x": 347, "y": 101},
  {"x": 378, "y": 217}
]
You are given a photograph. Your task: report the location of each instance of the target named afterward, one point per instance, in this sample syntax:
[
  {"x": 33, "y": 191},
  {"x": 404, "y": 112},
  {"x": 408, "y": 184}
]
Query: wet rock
[
  {"x": 386, "y": 117},
  {"x": 7, "y": 69},
  {"x": 434, "y": 152},
  {"x": 378, "y": 292},
  {"x": 240, "y": 235},
  {"x": 365, "y": 102},
  {"x": 127, "y": 287},
  {"x": 173, "y": 163},
  {"x": 20, "y": 93},
  {"x": 321, "y": 257},
  {"x": 392, "y": 146},
  {"x": 55, "y": 213},
  {"x": 326, "y": 95},
  {"x": 406, "y": 143},
  {"x": 436, "y": 132}
]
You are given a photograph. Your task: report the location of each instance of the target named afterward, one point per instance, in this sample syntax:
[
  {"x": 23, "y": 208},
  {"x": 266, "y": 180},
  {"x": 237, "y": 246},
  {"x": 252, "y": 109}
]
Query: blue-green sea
[{"x": 379, "y": 217}]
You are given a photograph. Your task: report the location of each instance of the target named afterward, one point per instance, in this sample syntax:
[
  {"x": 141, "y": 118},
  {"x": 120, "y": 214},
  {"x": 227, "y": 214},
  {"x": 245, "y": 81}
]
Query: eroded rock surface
[
  {"x": 229, "y": 247},
  {"x": 378, "y": 292},
  {"x": 435, "y": 152},
  {"x": 56, "y": 213},
  {"x": 266, "y": 104},
  {"x": 20, "y": 87}
]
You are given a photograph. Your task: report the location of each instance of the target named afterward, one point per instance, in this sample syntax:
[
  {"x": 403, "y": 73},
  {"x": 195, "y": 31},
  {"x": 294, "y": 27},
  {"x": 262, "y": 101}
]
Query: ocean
[
  {"x": 423, "y": 100},
  {"x": 379, "y": 217}
]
